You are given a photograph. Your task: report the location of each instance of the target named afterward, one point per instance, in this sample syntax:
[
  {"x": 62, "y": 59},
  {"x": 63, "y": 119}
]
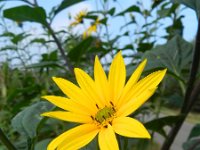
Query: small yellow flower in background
[
  {"x": 91, "y": 29},
  {"x": 79, "y": 18},
  {"x": 102, "y": 105}
]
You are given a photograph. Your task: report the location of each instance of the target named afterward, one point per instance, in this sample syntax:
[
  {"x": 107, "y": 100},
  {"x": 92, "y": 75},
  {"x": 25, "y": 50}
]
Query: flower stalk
[
  {"x": 191, "y": 94},
  {"x": 6, "y": 141}
]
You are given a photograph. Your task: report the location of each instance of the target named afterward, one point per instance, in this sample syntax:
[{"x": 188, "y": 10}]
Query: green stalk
[
  {"x": 6, "y": 141},
  {"x": 191, "y": 94}
]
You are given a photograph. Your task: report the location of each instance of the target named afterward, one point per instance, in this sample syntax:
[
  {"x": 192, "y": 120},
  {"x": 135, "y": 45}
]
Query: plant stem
[
  {"x": 35, "y": 2},
  {"x": 59, "y": 45},
  {"x": 194, "y": 69},
  {"x": 191, "y": 93},
  {"x": 6, "y": 141}
]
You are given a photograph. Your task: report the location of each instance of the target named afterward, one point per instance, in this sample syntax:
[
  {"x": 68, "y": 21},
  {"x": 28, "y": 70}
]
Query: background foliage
[{"x": 28, "y": 62}]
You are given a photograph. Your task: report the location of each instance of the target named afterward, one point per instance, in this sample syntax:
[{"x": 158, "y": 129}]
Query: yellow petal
[
  {"x": 67, "y": 87},
  {"x": 79, "y": 137},
  {"x": 67, "y": 104},
  {"x": 132, "y": 81},
  {"x": 149, "y": 82},
  {"x": 135, "y": 103},
  {"x": 75, "y": 93},
  {"x": 88, "y": 87},
  {"x": 107, "y": 139},
  {"x": 68, "y": 116},
  {"x": 129, "y": 127},
  {"x": 117, "y": 77},
  {"x": 74, "y": 138},
  {"x": 101, "y": 81}
]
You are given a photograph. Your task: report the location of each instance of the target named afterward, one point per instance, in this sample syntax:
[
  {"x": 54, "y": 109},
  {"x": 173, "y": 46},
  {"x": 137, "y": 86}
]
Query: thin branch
[
  {"x": 6, "y": 141},
  {"x": 194, "y": 96},
  {"x": 190, "y": 96},
  {"x": 194, "y": 69},
  {"x": 27, "y": 2},
  {"x": 59, "y": 45},
  {"x": 36, "y": 3}
]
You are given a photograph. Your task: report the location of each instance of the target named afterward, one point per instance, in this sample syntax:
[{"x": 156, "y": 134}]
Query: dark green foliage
[
  {"x": 26, "y": 13},
  {"x": 157, "y": 125},
  {"x": 194, "y": 4},
  {"x": 65, "y": 4}
]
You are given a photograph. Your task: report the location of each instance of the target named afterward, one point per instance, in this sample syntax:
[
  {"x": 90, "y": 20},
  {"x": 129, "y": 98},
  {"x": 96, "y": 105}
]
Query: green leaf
[
  {"x": 156, "y": 3},
  {"x": 195, "y": 131},
  {"x": 19, "y": 37},
  {"x": 45, "y": 64},
  {"x": 65, "y": 4},
  {"x": 26, "y": 13},
  {"x": 175, "y": 55},
  {"x": 26, "y": 121},
  {"x": 145, "y": 46},
  {"x": 38, "y": 40},
  {"x": 42, "y": 145},
  {"x": 133, "y": 8},
  {"x": 50, "y": 56},
  {"x": 192, "y": 144},
  {"x": 112, "y": 11},
  {"x": 129, "y": 46},
  {"x": 194, "y": 4},
  {"x": 158, "y": 124},
  {"x": 77, "y": 52}
]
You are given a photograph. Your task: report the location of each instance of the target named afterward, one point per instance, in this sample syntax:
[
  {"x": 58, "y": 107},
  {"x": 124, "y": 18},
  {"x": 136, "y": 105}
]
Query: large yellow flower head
[{"x": 102, "y": 105}]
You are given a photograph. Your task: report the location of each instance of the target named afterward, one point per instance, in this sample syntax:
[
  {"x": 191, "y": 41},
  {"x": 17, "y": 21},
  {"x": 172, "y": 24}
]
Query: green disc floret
[{"x": 104, "y": 114}]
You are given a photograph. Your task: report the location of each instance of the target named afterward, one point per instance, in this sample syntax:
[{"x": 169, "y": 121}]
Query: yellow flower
[
  {"x": 79, "y": 18},
  {"x": 91, "y": 29},
  {"x": 102, "y": 105}
]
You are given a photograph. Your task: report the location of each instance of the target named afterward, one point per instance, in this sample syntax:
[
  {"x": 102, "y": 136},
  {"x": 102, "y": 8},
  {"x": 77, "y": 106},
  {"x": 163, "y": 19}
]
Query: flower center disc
[{"x": 104, "y": 114}]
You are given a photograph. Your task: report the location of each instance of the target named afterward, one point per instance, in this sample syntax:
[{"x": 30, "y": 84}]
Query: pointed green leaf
[
  {"x": 175, "y": 55},
  {"x": 26, "y": 121},
  {"x": 26, "y": 13},
  {"x": 158, "y": 124},
  {"x": 132, "y": 8},
  {"x": 66, "y": 4}
]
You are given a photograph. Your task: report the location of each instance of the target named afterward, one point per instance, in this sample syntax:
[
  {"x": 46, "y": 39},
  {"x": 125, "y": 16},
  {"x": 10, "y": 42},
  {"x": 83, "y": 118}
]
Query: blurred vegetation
[{"x": 29, "y": 59}]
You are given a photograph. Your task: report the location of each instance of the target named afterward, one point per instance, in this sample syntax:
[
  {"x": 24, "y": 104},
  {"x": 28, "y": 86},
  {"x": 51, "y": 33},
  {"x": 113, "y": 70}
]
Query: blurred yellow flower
[
  {"x": 102, "y": 105},
  {"x": 91, "y": 29},
  {"x": 79, "y": 18}
]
